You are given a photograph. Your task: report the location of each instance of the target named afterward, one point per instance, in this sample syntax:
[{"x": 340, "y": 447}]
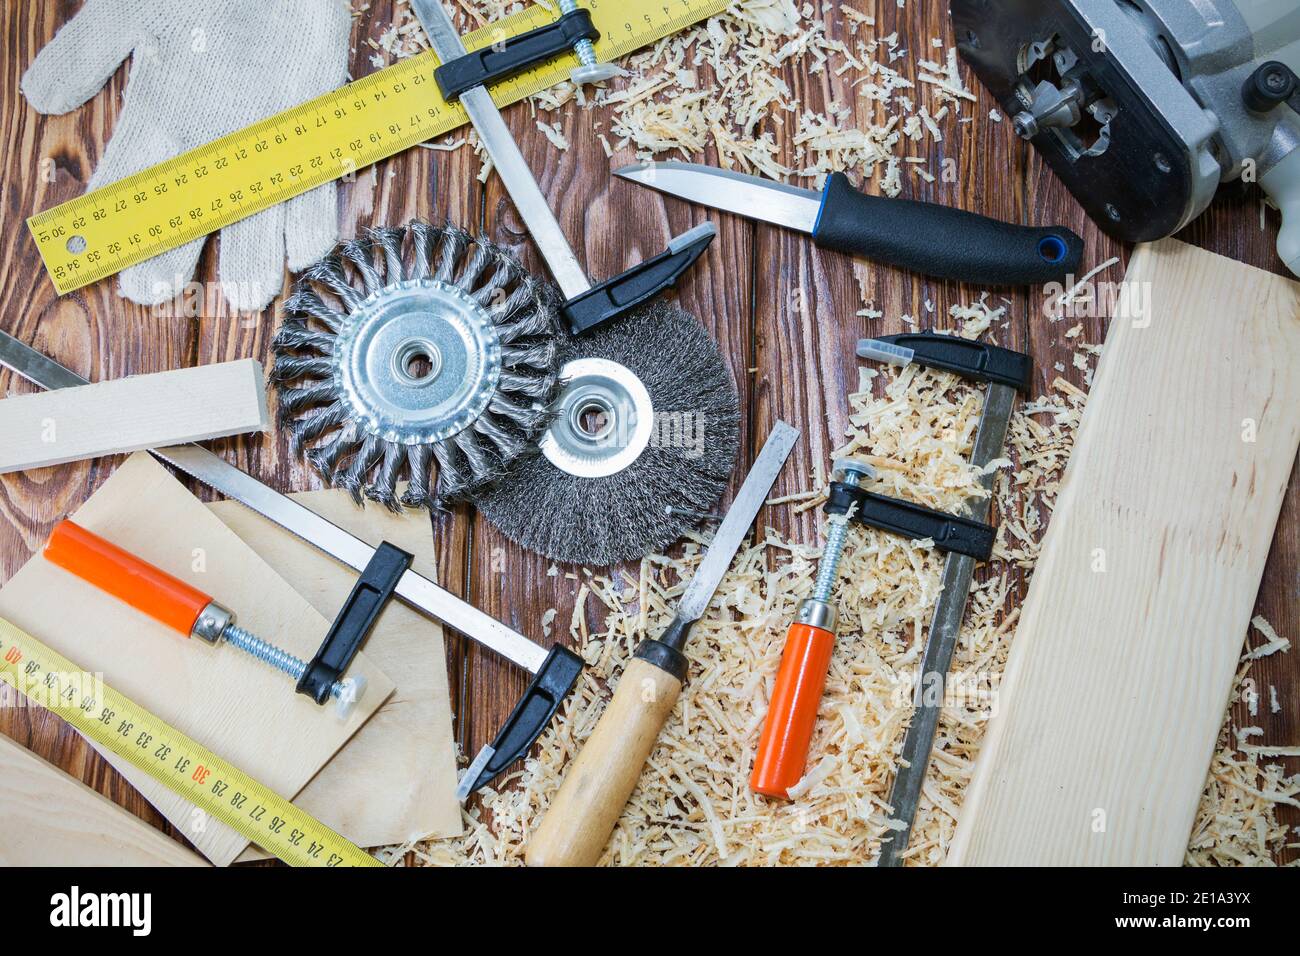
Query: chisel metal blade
[
  {"x": 751, "y": 497},
  {"x": 747, "y": 196}
]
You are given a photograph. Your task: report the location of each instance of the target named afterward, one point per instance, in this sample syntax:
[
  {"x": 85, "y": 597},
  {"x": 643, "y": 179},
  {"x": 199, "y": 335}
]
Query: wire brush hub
[
  {"x": 412, "y": 352},
  {"x": 643, "y": 443},
  {"x": 603, "y": 420}
]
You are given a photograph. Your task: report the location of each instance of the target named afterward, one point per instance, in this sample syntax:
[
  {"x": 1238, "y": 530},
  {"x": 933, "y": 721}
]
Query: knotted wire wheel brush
[
  {"x": 416, "y": 351},
  {"x": 642, "y": 443}
]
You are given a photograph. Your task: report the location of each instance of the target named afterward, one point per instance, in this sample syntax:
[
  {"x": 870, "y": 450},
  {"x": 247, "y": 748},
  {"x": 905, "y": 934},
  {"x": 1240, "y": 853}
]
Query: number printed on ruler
[
  {"x": 331, "y": 137},
  {"x": 109, "y": 719}
]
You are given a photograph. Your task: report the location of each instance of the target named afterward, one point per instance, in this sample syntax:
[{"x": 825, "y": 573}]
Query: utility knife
[{"x": 933, "y": 240}]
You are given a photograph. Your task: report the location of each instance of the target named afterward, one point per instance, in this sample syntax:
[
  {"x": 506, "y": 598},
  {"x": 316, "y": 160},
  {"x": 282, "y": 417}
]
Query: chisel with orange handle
[
  {"x": 172, "y": 602},
  {"x": 604, "y": 774},
  {"x": 797, "y": 693}
]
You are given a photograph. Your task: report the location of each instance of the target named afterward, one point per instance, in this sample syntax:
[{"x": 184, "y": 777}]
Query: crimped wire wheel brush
[
  {"x": 641, "y": 446},
  {"x": 416, "y": 351}
]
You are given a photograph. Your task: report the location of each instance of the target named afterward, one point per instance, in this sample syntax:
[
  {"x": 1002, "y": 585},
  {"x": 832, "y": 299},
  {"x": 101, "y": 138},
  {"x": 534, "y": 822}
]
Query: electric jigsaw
[{"x": 1144, "y": 107}]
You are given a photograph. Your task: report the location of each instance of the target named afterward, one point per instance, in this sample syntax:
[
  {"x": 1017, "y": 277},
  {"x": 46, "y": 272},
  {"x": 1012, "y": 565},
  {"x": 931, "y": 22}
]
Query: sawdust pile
[
  {"x": 722, "y": 85},
  {"x": 693, "y": 806}
]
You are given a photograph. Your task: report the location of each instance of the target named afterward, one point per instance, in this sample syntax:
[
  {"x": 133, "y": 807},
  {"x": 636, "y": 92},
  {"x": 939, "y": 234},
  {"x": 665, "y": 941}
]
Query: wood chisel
[
  {"x": 554, "y": 672},
  {"x": 923, "y": 237},
  {"x": 604, "y": 774}
]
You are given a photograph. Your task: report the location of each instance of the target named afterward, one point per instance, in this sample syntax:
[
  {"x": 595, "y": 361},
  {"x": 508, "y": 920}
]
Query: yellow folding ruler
[
  {"x": 211, "y": 186},
  {"x": 123, "y": 727}
]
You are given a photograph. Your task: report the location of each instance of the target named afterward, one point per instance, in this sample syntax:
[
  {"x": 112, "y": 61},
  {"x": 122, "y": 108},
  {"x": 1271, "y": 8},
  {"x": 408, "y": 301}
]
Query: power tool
[{"x": 1144, "y": 107}]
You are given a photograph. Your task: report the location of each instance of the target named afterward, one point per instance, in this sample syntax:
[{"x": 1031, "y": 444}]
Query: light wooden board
[
  {"x": 1123, "y": 659},
  {"x": 48, "y": 818},
  {"x": 396, "y": 779},
  {"x": 128, "y": 414},
  {"x": 238, "y": 707}
]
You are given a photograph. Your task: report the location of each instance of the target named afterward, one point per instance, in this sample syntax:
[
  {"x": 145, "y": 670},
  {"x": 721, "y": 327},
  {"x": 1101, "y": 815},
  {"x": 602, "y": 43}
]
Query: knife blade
[
  {"x": 927, "y": 238},
  {"x": 413, "y": 588}
]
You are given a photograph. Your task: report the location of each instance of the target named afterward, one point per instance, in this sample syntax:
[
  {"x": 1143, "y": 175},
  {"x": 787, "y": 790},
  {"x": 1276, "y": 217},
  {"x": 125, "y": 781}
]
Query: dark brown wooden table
[{"x": 782, "y": 311}]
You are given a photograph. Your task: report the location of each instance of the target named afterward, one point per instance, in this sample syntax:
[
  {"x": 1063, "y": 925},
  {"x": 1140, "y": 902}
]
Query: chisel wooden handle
[{"x": 582, "y": 815}]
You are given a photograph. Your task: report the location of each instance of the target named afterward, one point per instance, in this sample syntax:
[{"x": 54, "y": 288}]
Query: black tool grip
[
  {"x": 532, "y": 714},
  {"x": 942, "y": 242}
]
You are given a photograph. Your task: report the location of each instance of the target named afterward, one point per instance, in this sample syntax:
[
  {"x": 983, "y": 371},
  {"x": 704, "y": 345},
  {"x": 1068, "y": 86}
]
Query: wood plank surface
[
  {"x": 133, "y": 413},
  {"x": 50, "y": 818},
  {"x": 782, "y": 311},
  {"x": 1128, "y": 641}
]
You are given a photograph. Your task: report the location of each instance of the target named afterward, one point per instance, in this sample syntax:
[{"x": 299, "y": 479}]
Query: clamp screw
[
  {"x": 851, "y": 472},
  {"x": 591, "y": 71},
  {"x": 345, "y": 692}
]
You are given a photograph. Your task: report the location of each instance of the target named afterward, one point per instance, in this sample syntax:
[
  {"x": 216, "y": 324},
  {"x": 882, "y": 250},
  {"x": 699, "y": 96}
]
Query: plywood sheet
[
  {"x": 238, "y": 707},
  {"x": 396, "y": 779}
]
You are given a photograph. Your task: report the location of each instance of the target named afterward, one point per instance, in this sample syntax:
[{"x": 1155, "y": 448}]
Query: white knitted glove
[{"x": 201, "y": 69}]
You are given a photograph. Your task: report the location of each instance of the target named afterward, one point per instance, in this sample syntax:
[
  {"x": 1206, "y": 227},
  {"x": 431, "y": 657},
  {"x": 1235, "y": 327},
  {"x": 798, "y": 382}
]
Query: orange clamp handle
[
  {"x": 114, "y": 571},
  {"x": 792, "y": 714}
]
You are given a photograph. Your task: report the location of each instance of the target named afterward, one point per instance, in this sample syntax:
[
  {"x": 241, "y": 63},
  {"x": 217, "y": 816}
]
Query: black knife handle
[{"x": 940, "y": 241}]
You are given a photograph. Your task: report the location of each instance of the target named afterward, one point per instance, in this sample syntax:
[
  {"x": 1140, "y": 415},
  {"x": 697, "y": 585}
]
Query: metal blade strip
[
  {"x": 753, "y": 493},
  {"x": 413, "y": 588},
  {"x": 750, "y": 196},
  {"x": 941, "y": 644},
  {"x": 509, "y": 162}
]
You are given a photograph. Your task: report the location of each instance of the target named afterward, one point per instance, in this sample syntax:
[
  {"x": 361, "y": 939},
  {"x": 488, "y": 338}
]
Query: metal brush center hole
[
  {"x": 417, "y": 362},
  {"x": 593, "y": 418}
]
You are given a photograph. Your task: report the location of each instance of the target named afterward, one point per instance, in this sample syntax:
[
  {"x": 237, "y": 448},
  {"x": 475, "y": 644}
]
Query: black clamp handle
[
  {"x": 645, "y": 280},
  {"x": 355, "y": 620},
  {"x": 552, "y": 683},
  {"x": 513, "y": 55},
  {"x": 976, "y": 361},
  {"x": 950, "y": 533}
]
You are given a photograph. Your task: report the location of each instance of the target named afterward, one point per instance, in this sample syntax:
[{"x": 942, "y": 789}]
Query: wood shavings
[
  {"x": 976, "y": 319},
  {"x": 1068, "y": 296},
  {"x": 1273, "y": 641},
  {"x": 553, "y": 133},
  {"x": 1236, "y": 824}
]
